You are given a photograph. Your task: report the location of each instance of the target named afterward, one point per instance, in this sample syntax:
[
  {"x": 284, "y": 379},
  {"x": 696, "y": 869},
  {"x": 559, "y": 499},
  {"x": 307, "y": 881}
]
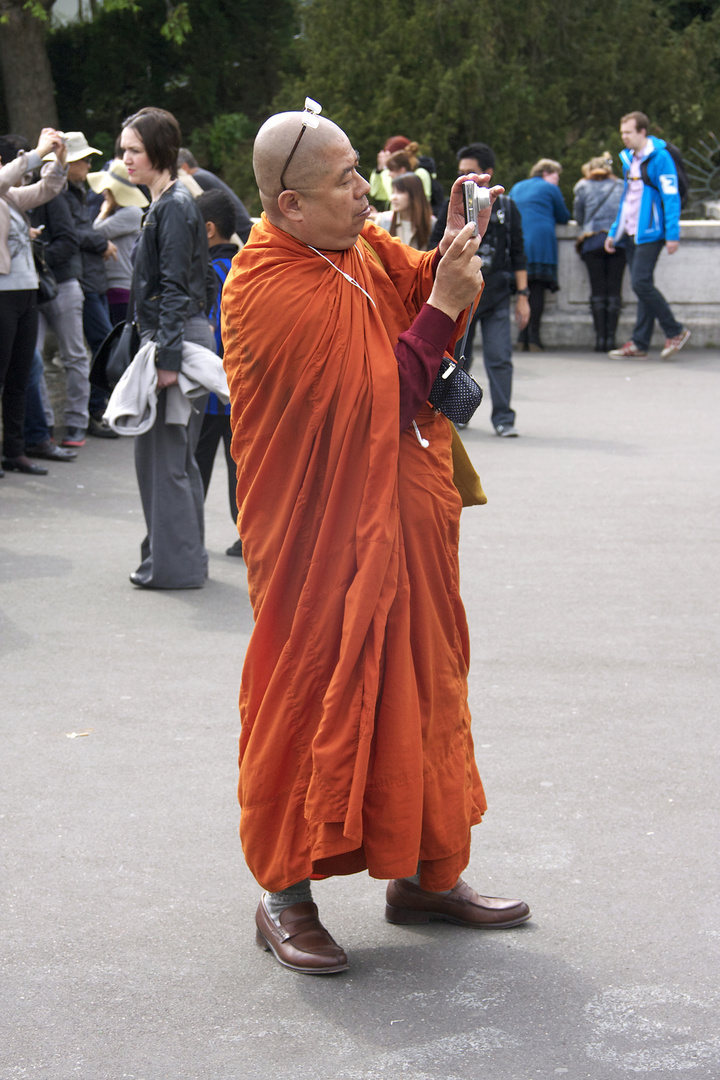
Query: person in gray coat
[
  {"x": 119, "y": 220},
  {"x": 597, "y": 199}
]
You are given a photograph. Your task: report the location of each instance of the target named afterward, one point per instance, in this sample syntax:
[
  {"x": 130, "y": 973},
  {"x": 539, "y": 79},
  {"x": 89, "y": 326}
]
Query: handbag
[
  {"x": 114, "y": 356},
  {"x": 47, "y": 285},
  {"x": 590, "y": 242},
  {"x": 117, "y": 351},
  {"x": 454, "y": 392}
]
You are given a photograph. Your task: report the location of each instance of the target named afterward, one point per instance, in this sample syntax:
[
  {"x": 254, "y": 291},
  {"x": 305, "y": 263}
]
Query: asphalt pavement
[{"x": 591, "y": 584}]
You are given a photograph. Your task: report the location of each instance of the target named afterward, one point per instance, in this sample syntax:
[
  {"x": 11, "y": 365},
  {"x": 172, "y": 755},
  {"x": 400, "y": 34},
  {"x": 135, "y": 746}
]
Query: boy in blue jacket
[
  {"x": 219, "y": 216},
  {"x": 647, "y": 221}
]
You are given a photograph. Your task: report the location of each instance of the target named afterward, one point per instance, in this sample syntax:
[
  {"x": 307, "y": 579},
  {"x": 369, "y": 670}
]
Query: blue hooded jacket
[{"x": 659, "y": 217}]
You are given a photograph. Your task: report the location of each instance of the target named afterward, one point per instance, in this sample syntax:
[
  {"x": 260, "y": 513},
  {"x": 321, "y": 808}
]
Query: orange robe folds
[{"x": 355, "y": 749}]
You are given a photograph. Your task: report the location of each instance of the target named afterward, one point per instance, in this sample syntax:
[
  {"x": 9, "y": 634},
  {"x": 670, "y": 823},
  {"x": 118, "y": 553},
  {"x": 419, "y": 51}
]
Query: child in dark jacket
[{"x": 219, "y": 217}]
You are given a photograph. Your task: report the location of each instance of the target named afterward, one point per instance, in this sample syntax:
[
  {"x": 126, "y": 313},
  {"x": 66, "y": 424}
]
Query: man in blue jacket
[{"x": 647, "y": 221}]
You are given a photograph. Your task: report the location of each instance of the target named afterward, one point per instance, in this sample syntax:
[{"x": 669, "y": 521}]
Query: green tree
[
  {"x": 26, "y": 71},
  {"x": 219, "y": 81},
  {"x": 549, "y": 78}
]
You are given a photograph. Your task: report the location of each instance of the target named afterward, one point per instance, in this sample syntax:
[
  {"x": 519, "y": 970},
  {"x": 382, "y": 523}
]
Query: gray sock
[{"x": 276, "y": 902}]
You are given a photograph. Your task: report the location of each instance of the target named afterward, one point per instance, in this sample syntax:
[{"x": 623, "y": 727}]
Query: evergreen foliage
[{"x": 549, "y": 78}]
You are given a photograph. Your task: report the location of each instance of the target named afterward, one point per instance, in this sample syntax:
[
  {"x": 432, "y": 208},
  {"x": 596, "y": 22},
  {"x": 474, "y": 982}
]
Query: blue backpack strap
[{"x": 222, "y": 269}]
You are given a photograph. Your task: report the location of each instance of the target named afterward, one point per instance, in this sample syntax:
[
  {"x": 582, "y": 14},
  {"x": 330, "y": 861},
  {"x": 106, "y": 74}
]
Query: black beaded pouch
[{"x": 454, "y": 392}]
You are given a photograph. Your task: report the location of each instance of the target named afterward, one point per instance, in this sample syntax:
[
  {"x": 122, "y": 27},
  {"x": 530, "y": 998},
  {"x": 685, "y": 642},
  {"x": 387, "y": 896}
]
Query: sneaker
[
  {"x": 74, "y": 436},
  {"x": 100, "y": 429},
  {"x": 674, "y": 344},
  {"x": 236, "y": 549},
  {"x": 627, "y": 351},
  {"x": 506, "y": 431}
]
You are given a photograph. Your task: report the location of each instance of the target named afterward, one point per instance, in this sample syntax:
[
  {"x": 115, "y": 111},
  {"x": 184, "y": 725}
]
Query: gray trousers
[
  {"x": 173, "y": 552},
  {"x": 64, "y": 315}
]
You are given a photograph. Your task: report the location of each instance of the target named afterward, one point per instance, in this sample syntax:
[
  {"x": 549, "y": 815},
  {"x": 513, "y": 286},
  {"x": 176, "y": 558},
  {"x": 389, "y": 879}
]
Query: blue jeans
[
  {"x": 36, "y": 425},
  {"x": 497, "y": 355},
  {"x": 652, "y": 305}
]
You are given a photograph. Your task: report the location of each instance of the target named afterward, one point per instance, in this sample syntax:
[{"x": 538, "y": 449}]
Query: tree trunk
[{"x": 27, "y": 78}]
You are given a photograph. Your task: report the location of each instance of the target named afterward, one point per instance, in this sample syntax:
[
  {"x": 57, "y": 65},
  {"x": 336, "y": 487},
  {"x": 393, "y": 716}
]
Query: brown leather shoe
[
  {"x": 301, "y": 942},
  {"x": 407, "y": 903}
]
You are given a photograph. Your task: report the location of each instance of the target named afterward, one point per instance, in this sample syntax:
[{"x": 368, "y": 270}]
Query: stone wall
[{"x": 689, "y": 280}]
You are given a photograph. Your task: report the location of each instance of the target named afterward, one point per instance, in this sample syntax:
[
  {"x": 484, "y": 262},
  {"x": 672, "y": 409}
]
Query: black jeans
[
  {"x": 18, "y": 334},
  {"x": 215, "y": 428},
  {"x": 531, "y": 334},
  {"x": 605, "y": 271},
  {"x": 652, "y": 304},
  {"x": 96, "y": 326}
]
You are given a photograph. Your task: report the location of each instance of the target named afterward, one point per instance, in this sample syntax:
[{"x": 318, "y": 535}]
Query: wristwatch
[{"x": 522, "y": 292}]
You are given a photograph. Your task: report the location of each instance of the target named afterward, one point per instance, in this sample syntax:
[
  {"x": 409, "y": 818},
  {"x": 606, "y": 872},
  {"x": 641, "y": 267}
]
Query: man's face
[
  {"x": 633, "y": 138},
  {"x": 78, "y": 170},
  {"x": 335, "y": 210},
  {"x": 469, "y": 165}
]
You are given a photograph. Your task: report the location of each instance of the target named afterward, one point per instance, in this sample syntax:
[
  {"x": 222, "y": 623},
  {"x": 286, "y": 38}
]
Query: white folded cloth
[{"x": 132, "y": 407}]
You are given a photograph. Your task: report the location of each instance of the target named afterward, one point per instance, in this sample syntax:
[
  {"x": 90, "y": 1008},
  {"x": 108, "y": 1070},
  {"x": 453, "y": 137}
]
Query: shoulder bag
[
  {"x": 116, "y": 352},
  {"x": 47, "y": 285}
]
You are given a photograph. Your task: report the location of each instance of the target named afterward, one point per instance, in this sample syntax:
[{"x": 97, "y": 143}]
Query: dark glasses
[{"x": 311, "y": 115}]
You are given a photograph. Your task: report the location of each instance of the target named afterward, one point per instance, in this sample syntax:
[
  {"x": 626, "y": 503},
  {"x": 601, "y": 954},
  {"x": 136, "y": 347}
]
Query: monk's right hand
[{"x": 458, "y": 279}]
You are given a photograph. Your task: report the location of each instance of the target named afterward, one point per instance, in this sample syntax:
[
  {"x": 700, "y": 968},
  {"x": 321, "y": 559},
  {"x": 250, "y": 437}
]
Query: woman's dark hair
[
  {"x": 419, "y": 209},
  {"x": 160, "y": 133}
]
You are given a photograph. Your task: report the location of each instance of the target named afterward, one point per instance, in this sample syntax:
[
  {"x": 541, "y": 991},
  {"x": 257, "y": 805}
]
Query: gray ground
[{"x": 590, "y": 580}]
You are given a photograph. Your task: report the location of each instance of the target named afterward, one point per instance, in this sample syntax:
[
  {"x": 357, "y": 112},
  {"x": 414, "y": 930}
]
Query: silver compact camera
[{"x": 475, "y": 199}]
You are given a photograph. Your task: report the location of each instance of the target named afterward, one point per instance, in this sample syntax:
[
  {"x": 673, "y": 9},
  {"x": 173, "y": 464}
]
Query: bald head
[
  {"x": 310, "y": 162},
  {"x": 323, "y": 202}
]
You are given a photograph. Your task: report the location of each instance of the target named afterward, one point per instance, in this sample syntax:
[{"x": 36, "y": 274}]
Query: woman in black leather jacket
[{"x": 169, "y": 283}]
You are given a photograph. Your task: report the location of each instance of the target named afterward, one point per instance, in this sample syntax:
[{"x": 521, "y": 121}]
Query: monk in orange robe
[{"x": 356, "y": 751}]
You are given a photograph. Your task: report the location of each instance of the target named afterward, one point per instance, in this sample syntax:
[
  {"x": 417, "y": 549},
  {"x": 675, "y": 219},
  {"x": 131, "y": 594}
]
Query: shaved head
[
  {"x": 311, "y": 160},
  {"x": 323, "y": 201}
]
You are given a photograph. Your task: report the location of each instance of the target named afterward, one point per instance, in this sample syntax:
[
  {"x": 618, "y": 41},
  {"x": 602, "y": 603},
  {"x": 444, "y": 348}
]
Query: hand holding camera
[
  {"x": 479, "y": 198},
  {"x": 51, "y": 140}
]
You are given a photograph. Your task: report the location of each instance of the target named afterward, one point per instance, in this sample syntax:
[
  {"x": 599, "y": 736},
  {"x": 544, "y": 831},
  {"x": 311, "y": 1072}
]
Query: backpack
[
  {"x": 494, "y": 260},
  {"x": 220, "y": 268},
  {"x": 683, "y": 182}
]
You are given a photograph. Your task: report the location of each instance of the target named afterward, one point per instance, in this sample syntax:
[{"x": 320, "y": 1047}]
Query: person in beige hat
[
  {"x": 119, "y": 220},
  {"x": 64, "y": 315},
  {"x": 97, "y": 252}
]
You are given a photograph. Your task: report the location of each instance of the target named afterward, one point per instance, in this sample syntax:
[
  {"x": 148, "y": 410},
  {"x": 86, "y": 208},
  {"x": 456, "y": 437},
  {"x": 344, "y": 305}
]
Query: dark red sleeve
[{"x": 418, "y": 352}]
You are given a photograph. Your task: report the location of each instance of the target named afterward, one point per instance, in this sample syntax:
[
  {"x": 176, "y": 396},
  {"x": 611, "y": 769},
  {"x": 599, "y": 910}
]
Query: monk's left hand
[
  {"x": 456, "y": 211},
  {"x": 166, "y": 378}
]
